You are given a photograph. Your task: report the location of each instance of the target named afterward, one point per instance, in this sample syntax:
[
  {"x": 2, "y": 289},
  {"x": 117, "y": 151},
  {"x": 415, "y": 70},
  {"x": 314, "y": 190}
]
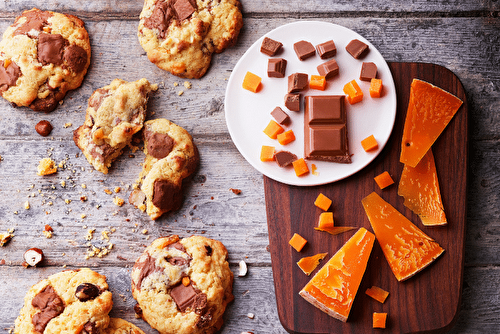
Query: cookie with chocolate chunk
[
  {"x": 71, "y": 301},
  {"x": 43, "y": 55},
  {"x": 114, "y": 114},
  {"x": 180, "y": 36},
  {"x": 171, "y": 156},
  {"x": 183, "y": 286},
  {"x": 120, "y": 326}
]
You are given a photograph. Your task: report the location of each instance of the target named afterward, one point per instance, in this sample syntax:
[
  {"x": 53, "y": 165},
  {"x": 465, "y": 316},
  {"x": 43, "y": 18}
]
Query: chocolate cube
[
  {"x": 270, "y": 47},
  {"x": 297, "y": 82},
  {"x": 292, "y": 102},
  {"x": 368, "y": 71},
  {"x": 328, "y": 69},
  {"x": 304, "y": 50},
  {"x": 280, "y": 116},
  {"x": 357, "y": 49},
  {"x": 276, "y": 68},
  {"x": 326, "y": 50}
]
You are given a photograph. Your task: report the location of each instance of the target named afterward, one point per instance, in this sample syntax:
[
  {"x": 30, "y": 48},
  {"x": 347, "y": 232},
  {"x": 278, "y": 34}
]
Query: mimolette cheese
[
  {"x": 407, "y": 249},
  {"x": 420, "y": 188},
  {"x": 335, "y": 285},
  {"x": 430, "y": 109}
]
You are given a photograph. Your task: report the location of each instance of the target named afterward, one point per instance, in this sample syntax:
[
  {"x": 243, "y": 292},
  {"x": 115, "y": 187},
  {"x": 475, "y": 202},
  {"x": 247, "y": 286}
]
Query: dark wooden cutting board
[{"x": 427, "y": 302}]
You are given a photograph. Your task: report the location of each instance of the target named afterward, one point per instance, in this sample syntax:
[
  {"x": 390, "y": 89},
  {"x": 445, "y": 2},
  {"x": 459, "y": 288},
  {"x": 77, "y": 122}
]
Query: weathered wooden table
[{"x": 463, "y": 36}]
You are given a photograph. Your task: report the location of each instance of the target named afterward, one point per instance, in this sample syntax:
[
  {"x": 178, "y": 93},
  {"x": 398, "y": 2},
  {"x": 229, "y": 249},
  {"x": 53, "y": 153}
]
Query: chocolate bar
[
  {"x": 325, "y": 129},
  {"x": 297, "y": 82},
  {"x": 328, "y": 69},
  {"x": 270, "y": 47},
  {"x": 357, "y": 49},
  {"x": 280, "y": 116},
  {"x": 292, "y": 102},
  {"x": 276, "y": 68},
  {"x": 368, "y": 71},
  {"x": 326, "y": 50},
  {"x": 304, "y": 50}
]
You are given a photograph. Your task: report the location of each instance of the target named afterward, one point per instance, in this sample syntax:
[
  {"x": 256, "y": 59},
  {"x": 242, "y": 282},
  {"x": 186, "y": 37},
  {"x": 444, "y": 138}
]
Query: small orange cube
[
  {"x": 300, "y": 167},
  {"x": 369, "y": 143},
  {"x": 297, "y": 242},
  {"x": 326, "y": 220},
  {"x": 376, "y": 87},
  {"x": 267, "y": 153},
  {"x": 384, "y": 180},
  {"x": 323, "y": 202},
  {"x": 286, "y": 137},
  {"x": 273, "y": 129},
  {"x": 353, "y": 91},
  {"x": 377, "y": 293},
  {"x": 317, "y": 82},
  {"x": 251, "y": 82},
  {"x": 379, "y": 320}
]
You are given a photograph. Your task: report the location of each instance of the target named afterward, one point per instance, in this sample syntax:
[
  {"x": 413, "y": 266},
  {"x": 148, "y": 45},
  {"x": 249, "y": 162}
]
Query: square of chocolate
[
  {"x": 326, "y": 50},
  {"x": 304, "y": 50},
  {"x": 297, "y": 82},
  {"x": 328, "y": 69},
  {"x": 368, "y": 71},
  {"x": 292, "y": 102},
  {"x": 357, "y": 49},
  {"x": 276, "y": 68},
  {"x": 280, "y": 116},
  {"x": 270, "y": 47},
  {"x": 184, "y": 9},
  {"x": 325, "y": 129}
]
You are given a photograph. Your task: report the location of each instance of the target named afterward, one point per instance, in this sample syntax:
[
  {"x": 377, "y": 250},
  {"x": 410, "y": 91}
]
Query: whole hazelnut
[
  {"x": 87, "y": 291},
  {"x": 33, "y": 256},
  {"x": 43, "y": 128}
]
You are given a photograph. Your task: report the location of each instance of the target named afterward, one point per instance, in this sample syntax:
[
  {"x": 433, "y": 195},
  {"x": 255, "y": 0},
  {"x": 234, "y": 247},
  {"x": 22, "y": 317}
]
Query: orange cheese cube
[
  {"x": 384, "y": 180},
  {"x": 297, "y": 242},
  {"x": 335, "y": 285},
  {"x": 379, "y": 320},
  {"x": 420, "y": 188},
  {"x": 317, "y": 82},
  {"x": 354, "y": 93},
  {"x": 325, "y": 220},
  {"x": 430, "y": 109},
  {"x": 286, "y": 137},
  {"x": 300, "y": 167},
  {"x": 377, "y": 293},
  {"x": 323, "y": 202},
  {"x": 407, "y": 249},
  {"x": 369, "y": 143},
  {"x": 375, "y": 87},
  {"x": 308, "y": 264},
  {"x": 267, "y": 153},
  {"x": 252, "y": 82},
  {"x": 273, "y": 129}
]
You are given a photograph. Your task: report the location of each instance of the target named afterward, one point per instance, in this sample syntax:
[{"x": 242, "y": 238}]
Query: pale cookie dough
[
  {"x": 72, "y": 301},
  {"x": 120, "y": 326},
  {"x": 171, "y": 156},
  {"x": 43, "y": 55},
  {"x": 114, "y": 114},
  {"x": 182, "y": 286},
  {"x": 180, "y": 36}
]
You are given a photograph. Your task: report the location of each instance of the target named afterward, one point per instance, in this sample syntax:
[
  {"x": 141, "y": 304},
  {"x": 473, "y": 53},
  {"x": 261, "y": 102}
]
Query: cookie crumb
[
  {"x": 27, "y": 205},
  {"x": 117, "y": 189},
  {"x": 46, "y": 166},
  {"x": 235, "y": 191},
  {"x": 180, "y": 92},
  {"x": 118, "y": 201},
  {"x": 107, "y": 191},
  {"x": 67, "y": 125},
  {"x": 187, "y": 84}
]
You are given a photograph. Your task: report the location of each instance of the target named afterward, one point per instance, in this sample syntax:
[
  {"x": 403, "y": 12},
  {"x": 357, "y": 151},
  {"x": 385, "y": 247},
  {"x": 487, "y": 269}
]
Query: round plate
[{"x": 247, "y": 113}]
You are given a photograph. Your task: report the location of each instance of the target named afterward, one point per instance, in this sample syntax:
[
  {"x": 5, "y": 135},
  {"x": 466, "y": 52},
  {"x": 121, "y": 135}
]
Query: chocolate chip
[
  {"x": 138, "y": 310},
  {"x": 50, "y": 305},
  {"x": 304, "y": 50},
  {"x": 270, "y": 47},
  {"x": 166, "y": 195},
  {"x": 43, "y": 128},
  {"x": 76, "y": 58},
  {"x": 159, "y": 145},
  {"x": 297, "y": 82},
  {"x": 146, "y": 267},
  {"x": 206, "y": 317},
  {"x": 87, "y": 291},
  {"x": 178, "y": 246},
  {"x": 160, "y": 18},
  {"x": 90, "y": 328},
  {"x": 51, "y": 48},
  {"x": 188, "y": 297},
  {"x": 357, "y": 49},
  {"x": 184, "y": 9},
  {"x": 97, "y": 96},
  {"x": 292, "y": 102},
  {"x": 35, "y": 20},
  {"x": 8, "y": 75},
  {"x": 209, "y": 250},
  {"x": 46, "y": 104},
  {"x": 177, "y": 261}
]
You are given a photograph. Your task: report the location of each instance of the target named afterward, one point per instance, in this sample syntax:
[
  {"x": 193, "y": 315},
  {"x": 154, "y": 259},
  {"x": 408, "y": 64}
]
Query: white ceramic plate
[{"x": 247, "y": 113}]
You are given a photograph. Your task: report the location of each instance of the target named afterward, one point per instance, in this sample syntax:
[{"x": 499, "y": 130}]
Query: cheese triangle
[
  {"x": 335, "y": 285},
  {"x": 407, "y": 249}
]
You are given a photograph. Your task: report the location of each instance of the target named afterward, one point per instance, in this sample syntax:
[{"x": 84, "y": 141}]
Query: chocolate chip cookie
[
  {"x": 114, "y": 114},
  {"x": 171, "y": 156},
  {"x": 183, "y": 285},
  {"x": 43, "y": 55},
  {"x": 180, "y": 36},
  {"x": 120, "y": 326},
  {"x": 72, "y": 301}
]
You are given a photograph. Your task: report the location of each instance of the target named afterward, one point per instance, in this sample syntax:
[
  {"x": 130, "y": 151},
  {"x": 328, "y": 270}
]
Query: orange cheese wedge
[
  {"x": 430, "y": 109},
  {"x": 335, "y": 285},
  {"x": 420, "y": 188},
  {"x": 407, "y": 249}
]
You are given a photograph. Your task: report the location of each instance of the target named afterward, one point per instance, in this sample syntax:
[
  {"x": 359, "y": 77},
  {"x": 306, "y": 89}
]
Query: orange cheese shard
[
  {"x": 377, "y": 293},
  {"x": 430, "y": 109},
  {"x": 334, "y": 230},
  {"x": 407, "y": 249},
  {"x": 335, "y": 285},
  {"x": 420, "y": 188},
  {"x": 308, "y": 264}
]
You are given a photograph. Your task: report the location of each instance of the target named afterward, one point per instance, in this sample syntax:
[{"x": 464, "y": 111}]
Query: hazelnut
[
  {"x": 86, "y": 291},
  {"x": 242, "y": 270},
  {"x": 33, "y": 256},
  {"x": 43, "y": 128}
]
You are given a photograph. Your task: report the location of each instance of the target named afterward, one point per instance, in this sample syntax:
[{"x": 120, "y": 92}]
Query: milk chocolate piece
[
  {"x": 276, "y": 68},
  {"x": 51, "y": 48},
  {"x": 297, "y": 82},
  {"x": 329, "y": 69},
  {"x": 280, "y": 116},
  {"x": 292, "y": 102},
  {"x": 326, "y": 50},
  {"x": 50, "y": 305},
  {"x": 188, "y": 296},
  {"x": 270, "y": 47},
  {"x": 36, "y": 19},
  {"x": 159, "y": 145},
  {"x": 325, "y": 129},
  {"x": 184, "y": 9},
  {"x": 9, "y": 75},
  {"x": 284, "y": 158},
  {"x": 76, "y": 58},
  {"x": 356, "y": 48},
  {"x": 368, "y": 71},
  {"x": 161, "y": 18},
  {"x": 304, "y": 50},
  {"x": 167, "y": 196}
]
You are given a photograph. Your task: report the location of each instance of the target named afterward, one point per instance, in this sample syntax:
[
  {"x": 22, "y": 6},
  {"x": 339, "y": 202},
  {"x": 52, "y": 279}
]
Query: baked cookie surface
[
  {"x": 43, "y": 55},
  {"x": 180, "y": 36},
  {"x": 120, "y": 326},
  {"x": 171, "y": 156},
  {"x": 72, "y": 301},
  {"x": 114, "y": 114},
  {"x": 183, "y": 285}
]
